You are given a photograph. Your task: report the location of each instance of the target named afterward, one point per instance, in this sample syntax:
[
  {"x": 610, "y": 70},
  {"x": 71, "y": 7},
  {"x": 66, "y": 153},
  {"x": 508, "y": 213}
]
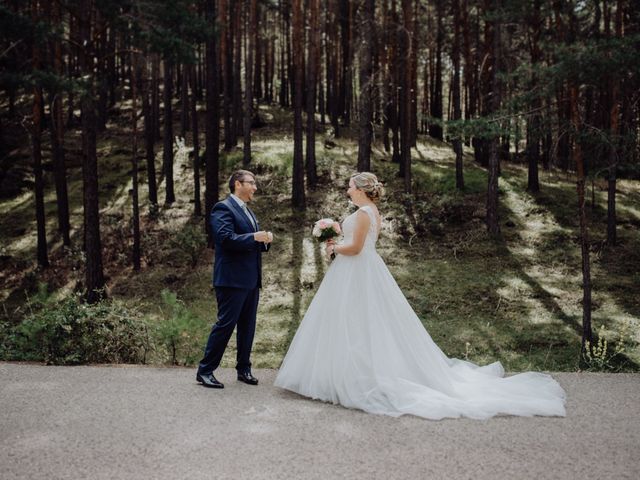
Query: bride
[{"x": 361, "y": 345}]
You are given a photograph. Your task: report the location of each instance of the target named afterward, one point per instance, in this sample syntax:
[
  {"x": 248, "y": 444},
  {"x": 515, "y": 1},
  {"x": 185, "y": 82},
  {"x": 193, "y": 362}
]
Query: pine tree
[{"x": 367, "y": 16}]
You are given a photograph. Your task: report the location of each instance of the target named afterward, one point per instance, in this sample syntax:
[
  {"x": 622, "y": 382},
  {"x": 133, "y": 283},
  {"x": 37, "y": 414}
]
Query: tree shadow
[
  {"x": 297, "y": 257},
  {"x": 495, "y": 328},
  {"x": 112, "y": 186},
  {"x": 620, "y": 264},
  {"x": 548, "y": 241}
]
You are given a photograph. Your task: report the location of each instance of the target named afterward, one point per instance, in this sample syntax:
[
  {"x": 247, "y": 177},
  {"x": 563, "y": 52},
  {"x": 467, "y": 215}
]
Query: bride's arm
[{"x": 359, "y": 234}]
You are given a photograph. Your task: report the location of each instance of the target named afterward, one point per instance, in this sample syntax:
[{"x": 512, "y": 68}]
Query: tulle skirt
[{"x": 361, "y": 345}]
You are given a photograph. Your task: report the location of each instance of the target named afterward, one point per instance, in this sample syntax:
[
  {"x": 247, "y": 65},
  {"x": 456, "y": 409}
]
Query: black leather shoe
[
  {"x": 208, "y": 380},
  {"x": 247, "y": 378}
]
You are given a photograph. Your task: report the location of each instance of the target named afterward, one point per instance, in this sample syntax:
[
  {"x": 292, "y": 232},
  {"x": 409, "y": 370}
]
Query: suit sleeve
[{"x": 222, "y": 226}]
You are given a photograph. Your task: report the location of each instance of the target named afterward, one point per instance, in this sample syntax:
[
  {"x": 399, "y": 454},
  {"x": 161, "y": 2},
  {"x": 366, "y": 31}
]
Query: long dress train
[{"x": 361, "y": 345}]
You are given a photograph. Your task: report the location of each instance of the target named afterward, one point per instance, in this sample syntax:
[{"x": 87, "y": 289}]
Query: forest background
[{"x": 506, "y": 133}]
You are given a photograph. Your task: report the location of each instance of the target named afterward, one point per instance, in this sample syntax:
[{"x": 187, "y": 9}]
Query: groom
[{"x": 237, "y": 278}]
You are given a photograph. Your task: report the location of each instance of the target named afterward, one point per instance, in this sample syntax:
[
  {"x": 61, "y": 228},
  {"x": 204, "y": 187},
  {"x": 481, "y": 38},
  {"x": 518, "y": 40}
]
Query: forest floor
[{"x": 516, "y": 299}]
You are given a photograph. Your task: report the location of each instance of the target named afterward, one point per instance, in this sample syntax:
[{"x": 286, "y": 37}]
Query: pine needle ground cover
[{"x": 516, "y": 299}]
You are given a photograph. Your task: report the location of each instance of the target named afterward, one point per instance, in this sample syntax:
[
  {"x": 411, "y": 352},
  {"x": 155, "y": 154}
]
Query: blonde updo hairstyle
[{"x": 369, "y": 184}]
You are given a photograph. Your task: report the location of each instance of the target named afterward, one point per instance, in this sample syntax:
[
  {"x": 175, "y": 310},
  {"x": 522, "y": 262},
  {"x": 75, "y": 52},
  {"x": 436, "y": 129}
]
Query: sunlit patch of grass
[
  {"x": 9, "y": 204},
  {"x": 231, "y": 160},
  {"x": 434, "y": 171}
]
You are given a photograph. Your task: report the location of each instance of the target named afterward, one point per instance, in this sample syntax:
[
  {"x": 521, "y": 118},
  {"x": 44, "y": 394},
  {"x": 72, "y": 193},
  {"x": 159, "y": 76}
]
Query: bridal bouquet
[{"x": 325, "y": 229}]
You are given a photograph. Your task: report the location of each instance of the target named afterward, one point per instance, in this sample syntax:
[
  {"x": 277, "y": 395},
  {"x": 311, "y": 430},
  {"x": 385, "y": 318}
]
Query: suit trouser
[{"x": 236, "y": 307}]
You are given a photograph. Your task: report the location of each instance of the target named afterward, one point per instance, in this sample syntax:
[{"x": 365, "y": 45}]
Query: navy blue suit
[{"x": 237, "y": 278}]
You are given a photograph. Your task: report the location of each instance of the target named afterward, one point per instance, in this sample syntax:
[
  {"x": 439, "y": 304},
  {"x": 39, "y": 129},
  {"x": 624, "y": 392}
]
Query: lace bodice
[{"x": 349, "y": 225}]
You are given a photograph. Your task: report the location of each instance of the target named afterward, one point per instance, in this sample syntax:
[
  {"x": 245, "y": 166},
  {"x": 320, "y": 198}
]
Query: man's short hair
[{"x": 237, "y": 176}]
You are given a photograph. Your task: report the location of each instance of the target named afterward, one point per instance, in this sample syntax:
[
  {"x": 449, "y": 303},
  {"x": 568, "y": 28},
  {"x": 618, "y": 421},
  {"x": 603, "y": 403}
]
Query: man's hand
[{"x": 264, "y": 237}]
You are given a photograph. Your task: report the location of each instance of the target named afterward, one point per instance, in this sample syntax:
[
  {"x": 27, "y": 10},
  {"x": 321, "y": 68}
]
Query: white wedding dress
[{"x": 361, "y": 345}]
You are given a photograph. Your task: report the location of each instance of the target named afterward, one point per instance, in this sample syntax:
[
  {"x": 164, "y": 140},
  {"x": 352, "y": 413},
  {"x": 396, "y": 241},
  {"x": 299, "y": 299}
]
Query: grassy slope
[{"x": 516, "y": 300}]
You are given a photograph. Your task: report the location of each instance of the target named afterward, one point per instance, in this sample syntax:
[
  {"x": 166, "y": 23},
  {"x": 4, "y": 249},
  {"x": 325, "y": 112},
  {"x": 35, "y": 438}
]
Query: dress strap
[
  {"x": 368, "y": 211},
  {"x": 372, "y": 216}
]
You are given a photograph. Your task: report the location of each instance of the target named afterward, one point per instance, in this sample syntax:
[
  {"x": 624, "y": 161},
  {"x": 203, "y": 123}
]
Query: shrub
[
  {"x": 180, "y": 332},
  {"x": 191, "y": 240},
  {"x": 73, "y": 332}
]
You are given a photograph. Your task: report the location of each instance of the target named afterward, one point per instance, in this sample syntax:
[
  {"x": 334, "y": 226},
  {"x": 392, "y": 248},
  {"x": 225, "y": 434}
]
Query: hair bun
[{"x": 369, "y": 184}]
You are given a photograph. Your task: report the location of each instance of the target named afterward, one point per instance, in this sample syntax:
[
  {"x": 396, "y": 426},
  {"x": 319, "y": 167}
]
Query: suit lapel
[{"x": 238, "y": 209}]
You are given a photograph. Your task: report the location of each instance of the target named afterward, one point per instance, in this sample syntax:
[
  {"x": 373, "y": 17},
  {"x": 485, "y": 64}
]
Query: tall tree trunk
[
  {"x": 457, "y": 112},
  {"x": 101, "y": 54},
  {"x": 284, "y": 46},
  {"x": 414, "y": 73},
  {"x": 212, "y": 122},
  {"x": 469, "y": 66},
  {"x": 72, "y": 71},
  {"x": 272, "y": 69},
  {"x": 424, "y": 124},
  {"x": 395, "y": 111},
  {"x": 614, "y": 123},
  {"x": 321, "y": 83},
  {"x": 265, "y": 76},
  {"x": 197, "y": 204},
  {"x": 57, "y": 138},
  {"x": 533, "y": 151},
  {"x": 400, "y": 84},
  {"x": 385, "y": 75},
  {"x": 184, "y": 101},
  {"x": 199, "y": 69},
  {"x": 135, "y": 80},
  {"x": 367, "y": 16},
  {"x": 376, "y": 85},
  {"x": 534, "y": 125},
  {"x": 333, "y": 81},
  {"x": 93, "y": 246},
  {"x": 167, "y": 153},
  {"x": 252, "y": 26},
  {"x": 112, "y": 73},
  {"x": 297, "y": 191},
  {"x": 562, "y": 96},
  {"x": 587, "y": 333},
  {"x": 226, "y": 56},
  {"x": 547, "y": 139},
  {"x": 493, "y": 224},
  {"x": 155, "y": 95},
  {"x": 405, "y": 97},
  {"x": 260, "y": 46},
  {"x": 312, "y": 81},
  {"x": 435, "y": 129},
  {"x": 482, "y": 147},
  {"x": 611, "y": 195},
  {"x": 345, "y": 76},
  {"x": 563, "y": 148},
  {"x": 36, "y": 141},
  {"x": 289, "y": 43},
  {"x": 149, "y": 137},
  {"x": 238, "y": 17}
]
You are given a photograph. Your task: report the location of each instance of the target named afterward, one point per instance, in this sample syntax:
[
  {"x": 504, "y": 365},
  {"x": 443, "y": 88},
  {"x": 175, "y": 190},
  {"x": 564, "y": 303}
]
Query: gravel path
[{"x": 137, "y": 422}]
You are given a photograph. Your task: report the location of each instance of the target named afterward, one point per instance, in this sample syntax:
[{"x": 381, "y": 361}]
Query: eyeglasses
[{"x": 250, "y": 182}]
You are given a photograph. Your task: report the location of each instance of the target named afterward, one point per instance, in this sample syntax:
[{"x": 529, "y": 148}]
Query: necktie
[{"x": 246, "y": 212}]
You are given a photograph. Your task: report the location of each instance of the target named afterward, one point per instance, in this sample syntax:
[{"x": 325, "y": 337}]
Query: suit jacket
[{"x": 238, "y": 257}]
